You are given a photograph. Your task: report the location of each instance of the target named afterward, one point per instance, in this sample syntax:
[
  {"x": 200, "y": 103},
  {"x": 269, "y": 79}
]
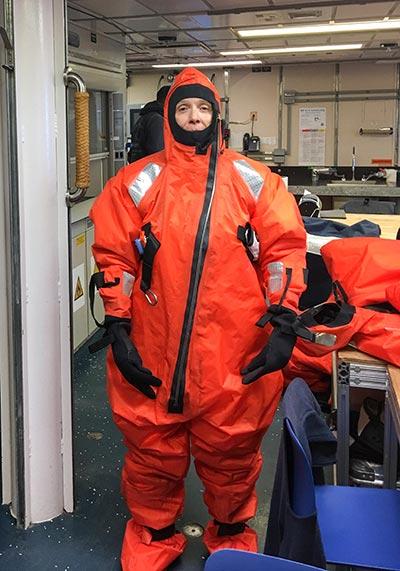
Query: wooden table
[
  {"x": 394, "y": 394},
  {"x": 389, "y": 223}
]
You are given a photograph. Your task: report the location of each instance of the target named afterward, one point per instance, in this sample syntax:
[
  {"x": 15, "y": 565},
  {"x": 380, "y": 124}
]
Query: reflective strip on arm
[{"x": 127, "y": 283}]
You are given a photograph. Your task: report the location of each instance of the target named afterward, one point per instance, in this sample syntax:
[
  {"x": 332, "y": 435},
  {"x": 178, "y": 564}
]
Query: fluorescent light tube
[
  {"x": 295, "y": 50},
  {"x": 207, "y": 64},
  {"x": 335, "y": 28}
]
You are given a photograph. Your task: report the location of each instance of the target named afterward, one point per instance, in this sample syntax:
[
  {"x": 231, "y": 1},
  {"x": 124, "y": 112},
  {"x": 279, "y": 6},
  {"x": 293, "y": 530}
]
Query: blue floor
[{"x": 90, "y": 538}]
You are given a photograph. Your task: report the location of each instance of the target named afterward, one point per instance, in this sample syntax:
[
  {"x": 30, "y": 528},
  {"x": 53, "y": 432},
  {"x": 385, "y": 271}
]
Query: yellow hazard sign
[
  {"x": 78, "y": 286},
  {"x": 78, "y": 289}
]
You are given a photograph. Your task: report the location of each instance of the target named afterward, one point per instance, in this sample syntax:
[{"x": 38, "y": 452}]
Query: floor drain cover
[{"x": 193, "y": 530}]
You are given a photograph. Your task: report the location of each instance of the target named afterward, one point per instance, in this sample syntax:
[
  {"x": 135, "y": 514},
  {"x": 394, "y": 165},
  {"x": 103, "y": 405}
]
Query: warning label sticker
[
  {"x": 93, "y": 270},
  {"x": 78, "y": 289},
  {"x": 78, "y": 285}
]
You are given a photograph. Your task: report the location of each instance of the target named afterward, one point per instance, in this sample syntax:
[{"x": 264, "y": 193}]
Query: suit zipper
[{"x": 175, "y": 403}]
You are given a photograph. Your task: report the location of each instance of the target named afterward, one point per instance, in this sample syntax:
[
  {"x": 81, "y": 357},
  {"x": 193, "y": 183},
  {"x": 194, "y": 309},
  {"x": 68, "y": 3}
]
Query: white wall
[
  {"x": 42, "y": 166},
  {"x": 142, "y": 88},
  {"x": 5, "y": 403},
  {"x": 254, "y": 92},
  {"x": 263, "y": 99},
  {"x": 308, "y": 78},
  {"x": 366, "y": 114},
  {"x": 259, "y": 92}
]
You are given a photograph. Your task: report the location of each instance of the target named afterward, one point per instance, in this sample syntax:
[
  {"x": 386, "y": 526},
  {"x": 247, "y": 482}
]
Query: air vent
[
  {"x": 261, "y": 68},
  {"x": 176, "y": 45},
  {"x": 167, "y": 36},
  {"x": 389, "y": 45},
  {"x": 309, "y": 15},
  {"x": 265, "y": 17}
]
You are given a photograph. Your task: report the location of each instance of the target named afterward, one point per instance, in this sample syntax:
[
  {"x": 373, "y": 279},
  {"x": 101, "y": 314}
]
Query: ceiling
[{"x": 183, "y": 31}]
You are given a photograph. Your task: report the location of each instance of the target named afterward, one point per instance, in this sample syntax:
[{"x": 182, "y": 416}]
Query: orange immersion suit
[{"x": 194, "y": 327}]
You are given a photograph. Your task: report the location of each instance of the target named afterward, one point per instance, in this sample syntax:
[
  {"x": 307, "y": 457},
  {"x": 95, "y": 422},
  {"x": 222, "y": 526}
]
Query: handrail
[{"x": 82, "y": 171}]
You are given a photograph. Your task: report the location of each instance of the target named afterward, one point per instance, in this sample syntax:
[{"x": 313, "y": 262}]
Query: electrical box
[
  {"x": 278, "y": 156},
  {"x": 289, "y": 97}
]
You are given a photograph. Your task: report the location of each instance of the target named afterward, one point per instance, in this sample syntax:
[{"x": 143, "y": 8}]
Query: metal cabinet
[{"x": 83, "y": 266}]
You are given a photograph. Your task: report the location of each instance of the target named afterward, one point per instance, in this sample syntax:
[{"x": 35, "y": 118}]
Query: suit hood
[{"x": 190, "y": 83}]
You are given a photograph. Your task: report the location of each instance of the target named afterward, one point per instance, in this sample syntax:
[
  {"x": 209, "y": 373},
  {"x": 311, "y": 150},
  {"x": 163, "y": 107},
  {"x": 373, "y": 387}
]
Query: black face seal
[{"x": 199, "y": 139}]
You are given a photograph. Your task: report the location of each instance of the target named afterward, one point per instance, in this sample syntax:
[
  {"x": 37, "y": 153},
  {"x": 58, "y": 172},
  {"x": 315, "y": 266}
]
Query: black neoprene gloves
[
  {"x": 279, "y": 347},
  {"x": 127, "y": 358}
]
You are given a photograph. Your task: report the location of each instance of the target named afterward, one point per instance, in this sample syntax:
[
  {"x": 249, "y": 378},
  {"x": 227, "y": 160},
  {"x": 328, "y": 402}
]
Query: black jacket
[
  {"x": 148, "y": 132},
  {"x": 290, "y": 535}
]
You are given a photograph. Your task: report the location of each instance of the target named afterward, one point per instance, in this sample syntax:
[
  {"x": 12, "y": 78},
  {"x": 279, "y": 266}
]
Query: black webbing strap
[
  {"x": 338, "y": 292},
  {"x": 276, "y": 309},
  {"x": 289, "y": 273},
  {"x": 266, "y": 318},
  {"x": 330, "y": 314},
  {"x": 97, "y": 281},
  {"x": 299, "y": 326},
  {"x": 230, "y": 528},
  {"x": 161, "y": 534},
  {"x": 241, "y": 235},
  {"x": 302, "y": 331},
  {"x": 246, "y": 235},
  {"x": 150, "y": 250},
  {"x": 273, "y": 311}
]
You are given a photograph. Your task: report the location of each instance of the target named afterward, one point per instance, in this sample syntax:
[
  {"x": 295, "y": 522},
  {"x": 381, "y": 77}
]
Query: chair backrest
[
  {"x": 368, "y": 206},
  {"x": 301, "y": 481},
  {"x": 237, "y": 560}
]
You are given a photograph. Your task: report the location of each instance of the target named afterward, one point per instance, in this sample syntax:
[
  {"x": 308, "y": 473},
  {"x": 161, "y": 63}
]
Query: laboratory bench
[{"x": 334, "y": 196}]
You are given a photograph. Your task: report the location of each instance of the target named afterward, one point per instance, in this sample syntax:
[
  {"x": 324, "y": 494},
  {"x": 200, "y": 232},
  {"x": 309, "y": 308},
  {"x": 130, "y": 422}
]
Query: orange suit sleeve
[
  {"x": 282, "y": 238},
  {"x": 117, "y": 224}
]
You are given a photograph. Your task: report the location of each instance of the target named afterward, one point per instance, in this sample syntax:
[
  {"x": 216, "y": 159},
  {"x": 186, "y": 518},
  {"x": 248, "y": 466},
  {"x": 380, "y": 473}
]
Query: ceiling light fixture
[
  {"x": 335, "y": 28},
  {"x": 206, "y": 64},
  {"x": 294, "y": 50}
]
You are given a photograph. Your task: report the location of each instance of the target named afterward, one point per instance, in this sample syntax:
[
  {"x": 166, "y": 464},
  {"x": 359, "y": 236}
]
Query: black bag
[
  {"x": 369, "y": 444},
  {"x": 136, "y": 151},
  {"x": 319, "y": 284}
]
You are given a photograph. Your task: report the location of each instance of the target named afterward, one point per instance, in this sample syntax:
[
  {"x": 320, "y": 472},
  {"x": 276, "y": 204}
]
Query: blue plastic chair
[
  {"x": 237, "y": 560},
  {"x": 359, "y": 527}
]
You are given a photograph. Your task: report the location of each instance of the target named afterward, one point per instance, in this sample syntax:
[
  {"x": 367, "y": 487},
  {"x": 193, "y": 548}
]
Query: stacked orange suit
[
  {"x": 368, "y": 272},
  {"x": 197, "y": 333}
]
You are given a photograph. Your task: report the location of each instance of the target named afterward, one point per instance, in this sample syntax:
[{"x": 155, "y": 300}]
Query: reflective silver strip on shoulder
[
  {"x": 251, "y": 177},
  {"x": 138, "y": 188}
]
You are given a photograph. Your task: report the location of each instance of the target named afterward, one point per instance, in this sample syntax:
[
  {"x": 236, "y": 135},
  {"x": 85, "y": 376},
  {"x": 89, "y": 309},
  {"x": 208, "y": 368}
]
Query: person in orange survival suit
[{"x": 189, "y": 242}]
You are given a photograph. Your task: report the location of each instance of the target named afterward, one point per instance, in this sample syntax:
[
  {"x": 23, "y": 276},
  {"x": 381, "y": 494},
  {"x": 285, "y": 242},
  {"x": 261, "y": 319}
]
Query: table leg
[{"x": 343, "y": 424}]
